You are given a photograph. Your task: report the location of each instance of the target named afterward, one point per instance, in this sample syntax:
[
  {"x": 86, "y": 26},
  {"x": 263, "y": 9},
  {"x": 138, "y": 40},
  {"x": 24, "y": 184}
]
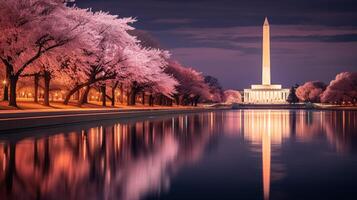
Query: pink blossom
[
  {"x": 342, "y": 89},
  {"x": 232, "y": 96},
  {"x": 310, "y": 91}
]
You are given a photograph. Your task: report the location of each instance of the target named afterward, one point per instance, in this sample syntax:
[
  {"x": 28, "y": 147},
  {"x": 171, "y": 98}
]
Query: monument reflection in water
[{"x": 135, "y": 160}]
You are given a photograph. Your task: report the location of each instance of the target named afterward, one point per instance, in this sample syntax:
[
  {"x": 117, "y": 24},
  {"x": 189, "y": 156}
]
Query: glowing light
[{"x": 4, "y": 82}]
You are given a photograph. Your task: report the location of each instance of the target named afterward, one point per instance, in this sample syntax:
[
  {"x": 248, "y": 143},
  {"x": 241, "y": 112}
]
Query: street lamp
[{"x": 4, "y": 82}]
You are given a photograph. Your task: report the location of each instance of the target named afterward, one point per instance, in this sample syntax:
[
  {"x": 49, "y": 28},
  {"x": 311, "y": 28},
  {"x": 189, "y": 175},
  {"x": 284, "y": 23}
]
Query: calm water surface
[{"x": 251, "y": 154}]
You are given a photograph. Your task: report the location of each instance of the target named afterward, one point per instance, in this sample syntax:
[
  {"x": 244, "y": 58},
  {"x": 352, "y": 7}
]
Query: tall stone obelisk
[
  {"x": 266, "y": 53},
  {"x": 266, "y": 93}
]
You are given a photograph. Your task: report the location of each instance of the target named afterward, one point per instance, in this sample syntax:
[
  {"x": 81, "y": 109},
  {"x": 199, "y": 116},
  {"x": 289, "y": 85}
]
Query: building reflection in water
[
  {"x": 131, "y": 160},
  {"x": 266, "y": 128}
]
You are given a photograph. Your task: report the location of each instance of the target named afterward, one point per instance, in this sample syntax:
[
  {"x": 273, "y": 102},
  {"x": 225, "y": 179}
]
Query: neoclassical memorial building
[{"x": 266, "y": 93}]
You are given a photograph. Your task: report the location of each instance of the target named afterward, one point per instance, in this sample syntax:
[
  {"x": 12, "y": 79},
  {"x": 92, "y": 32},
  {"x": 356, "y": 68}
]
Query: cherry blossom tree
[
  {"x": 342, "y": 90},
  {"x": 232, "y": 96},
  {"x": 311, "y": 91},
  {"x": 191, "y": 88},
  {"x": 30, "y": 29},
  {"x": 117, "y": 58},
  {"x": 215, "y": 89},
  {"x": 145, "y": 71},
  {"x": 46, "y": 67},
  {"x": 105, "y": 60},
  {"x": 156, "y": 82}
]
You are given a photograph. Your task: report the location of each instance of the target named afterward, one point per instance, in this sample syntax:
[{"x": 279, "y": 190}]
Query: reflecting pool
[{"x": 240, "y": 154}]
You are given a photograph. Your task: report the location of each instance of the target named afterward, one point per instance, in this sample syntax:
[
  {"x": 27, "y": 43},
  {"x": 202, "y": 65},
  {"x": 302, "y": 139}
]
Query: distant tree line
[{"x": 341, "y": 90}]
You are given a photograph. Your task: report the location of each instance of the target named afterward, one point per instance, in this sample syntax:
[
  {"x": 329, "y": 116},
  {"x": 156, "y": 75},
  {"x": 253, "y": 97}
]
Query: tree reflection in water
[{"x": 129, "y": 160}]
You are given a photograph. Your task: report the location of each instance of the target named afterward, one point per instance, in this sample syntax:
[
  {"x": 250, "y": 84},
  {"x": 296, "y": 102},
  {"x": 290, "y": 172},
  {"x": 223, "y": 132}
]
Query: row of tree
[
  {"x": 341, "y": 90},
  {"x": 79, "y": 49}
]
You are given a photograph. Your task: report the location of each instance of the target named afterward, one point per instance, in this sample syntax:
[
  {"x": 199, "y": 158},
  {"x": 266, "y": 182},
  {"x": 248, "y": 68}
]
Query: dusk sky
[{"x": 310, "y": 39}]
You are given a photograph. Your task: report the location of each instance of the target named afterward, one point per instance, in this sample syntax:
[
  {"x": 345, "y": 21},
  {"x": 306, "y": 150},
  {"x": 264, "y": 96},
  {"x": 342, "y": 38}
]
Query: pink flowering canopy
[
  {"x": 191, "y": 82},
  {"x": 310, "y": 91},
  {"x": 31, "y": 28},
  {"x": 341, "y": 90},
  {"x": 232, "y": 96}
]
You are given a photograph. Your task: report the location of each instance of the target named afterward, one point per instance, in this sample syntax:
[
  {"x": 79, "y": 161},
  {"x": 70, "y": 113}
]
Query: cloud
[
  {"x": 173, "y": 21},
  {"x": 246, "y": 33},
  {"x": 247, "y": 39}
]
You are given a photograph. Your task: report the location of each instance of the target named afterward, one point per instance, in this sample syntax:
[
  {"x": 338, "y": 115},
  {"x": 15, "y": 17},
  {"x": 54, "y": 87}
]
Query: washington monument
[
  {"x": 266, "y": 53},
  {"x": 266, "y": 93}
]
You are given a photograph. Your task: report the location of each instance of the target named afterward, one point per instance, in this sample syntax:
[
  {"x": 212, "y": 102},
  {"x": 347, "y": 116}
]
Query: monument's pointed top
[{"x": 266, "y": 22}]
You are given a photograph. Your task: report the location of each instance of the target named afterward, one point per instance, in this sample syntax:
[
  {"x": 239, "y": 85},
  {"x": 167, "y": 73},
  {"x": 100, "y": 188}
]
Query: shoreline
[
  {"x": 35, "y": 119},
  {"x": 12, "y": 120},
  {"x": 295, "y": 107}
]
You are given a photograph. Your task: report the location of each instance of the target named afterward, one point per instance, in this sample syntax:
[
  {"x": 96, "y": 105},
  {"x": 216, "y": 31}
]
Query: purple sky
[{"x": 311, "y": 39}]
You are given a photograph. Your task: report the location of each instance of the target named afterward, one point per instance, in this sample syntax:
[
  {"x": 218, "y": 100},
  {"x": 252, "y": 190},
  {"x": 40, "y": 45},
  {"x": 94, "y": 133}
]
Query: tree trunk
[
  {"x": 143, "y": 98},
  {"x": 114, "y": 87},
  {"x": 185, "y": 100},
  {"x": 160, "y": 100},
  {"x": 164, "y": 100},
  {"x": 6, "y": 88},
  {"x": 151, "y": 100},
  {"x": 196, "y": 99},
  {"x": 74, "y": 90},
  {"x": 13, "y": 82},
  {"x": 89, "y": 82},
  {"x": 84, "y": 96},
  {"x": 104, "y": 99},
  {"x": 127, "y": 98},
  {"x": 6, "y": 91},
  {"x": 121, "y": 98},
  {"x": 68, "y": 96},
  {"x": 46, "y": 100},
  {"x": 177, "y": 100},
  {"x": 36, "y": 79},
  {"x": 132, "y": 97},
  {"x": 113, "y": 96}
]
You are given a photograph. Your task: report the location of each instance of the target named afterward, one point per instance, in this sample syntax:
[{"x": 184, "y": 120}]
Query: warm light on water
[{"x": 251, "y": 154}]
